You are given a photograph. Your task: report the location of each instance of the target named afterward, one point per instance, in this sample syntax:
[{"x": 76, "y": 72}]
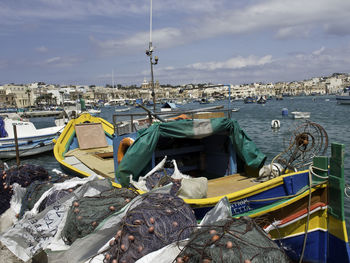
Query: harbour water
[{"x": 256, "y": 119}]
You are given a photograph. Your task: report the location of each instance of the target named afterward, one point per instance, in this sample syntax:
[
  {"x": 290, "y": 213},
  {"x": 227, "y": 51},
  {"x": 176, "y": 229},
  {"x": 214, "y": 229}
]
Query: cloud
[
  {"x": 239, "y": 70},
  {"x": 288, "y": 20},
  {"x": 62, "y": 62},
  {"x": 233, "y": 63},
  {"x": 291, "y": 32},
  {"x": 319, "y": 51},
  {"x": 165, "y": 37},
  {"x": 42, "y": 49}
]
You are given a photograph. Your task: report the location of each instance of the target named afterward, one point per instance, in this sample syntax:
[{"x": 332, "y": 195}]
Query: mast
[
  {"x": 149, "y": 52},
  {"x": 113, "y": 78}
]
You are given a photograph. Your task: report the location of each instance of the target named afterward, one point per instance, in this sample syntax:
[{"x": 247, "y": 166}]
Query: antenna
[
  {"x": 149, "y": 53},
  {"x": 150, "y": 26},
  {"x": 112, "y": 78}
]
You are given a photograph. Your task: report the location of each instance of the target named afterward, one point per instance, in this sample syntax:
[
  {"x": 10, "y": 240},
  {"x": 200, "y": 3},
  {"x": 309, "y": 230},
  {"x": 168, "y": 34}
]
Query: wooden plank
[
  {"x": 92, "y": 160},
  {"x": 90, "y": 135}
]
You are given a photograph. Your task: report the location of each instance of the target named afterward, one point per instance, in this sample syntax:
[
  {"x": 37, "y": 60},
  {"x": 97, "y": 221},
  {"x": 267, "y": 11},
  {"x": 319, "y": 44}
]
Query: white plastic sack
[
  {"x": 35, "y": 231},
  {"x": 193, "y": 188},
  {"x": 8, "y": 218},
  {"x": 141, "y": 183}
]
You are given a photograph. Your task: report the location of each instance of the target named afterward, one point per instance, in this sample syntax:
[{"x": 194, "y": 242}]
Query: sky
[{"x": 91, "y": 42}]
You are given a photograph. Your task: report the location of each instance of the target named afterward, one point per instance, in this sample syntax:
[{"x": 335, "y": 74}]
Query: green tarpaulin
[{"x": 139, "y": 155}]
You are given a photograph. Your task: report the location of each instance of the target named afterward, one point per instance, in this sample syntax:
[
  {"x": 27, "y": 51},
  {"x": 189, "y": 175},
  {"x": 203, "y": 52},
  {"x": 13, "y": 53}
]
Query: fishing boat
[
  {"x": 219, "y": 161},
  {"x": 293, "y": 207},
  {"x": 84, "y": 147},
  {"x": 30, "y": 140},
  {"x": 344, "y": 97}
]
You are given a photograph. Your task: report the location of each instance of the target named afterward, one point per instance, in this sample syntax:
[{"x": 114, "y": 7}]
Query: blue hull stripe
[{"x": 291, "y": 185}]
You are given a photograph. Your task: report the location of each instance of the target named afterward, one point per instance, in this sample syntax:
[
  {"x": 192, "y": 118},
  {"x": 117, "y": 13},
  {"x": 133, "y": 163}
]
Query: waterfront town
[{"x": 41, "y": 94}]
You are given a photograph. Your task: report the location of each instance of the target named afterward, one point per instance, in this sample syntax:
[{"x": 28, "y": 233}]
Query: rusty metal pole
[{"x": 16, "y": 143}]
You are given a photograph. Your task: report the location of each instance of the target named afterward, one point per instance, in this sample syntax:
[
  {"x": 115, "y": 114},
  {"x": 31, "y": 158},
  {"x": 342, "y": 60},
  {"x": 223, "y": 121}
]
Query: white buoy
[{"x": 275, "y": 124}]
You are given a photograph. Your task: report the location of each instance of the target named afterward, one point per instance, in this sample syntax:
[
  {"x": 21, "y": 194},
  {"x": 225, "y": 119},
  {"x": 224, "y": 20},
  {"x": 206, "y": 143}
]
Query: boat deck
[
  {"x": 100, "y": 161},
  {"x": 229, "y": 184},
  {"x": 92, "y": 161}
]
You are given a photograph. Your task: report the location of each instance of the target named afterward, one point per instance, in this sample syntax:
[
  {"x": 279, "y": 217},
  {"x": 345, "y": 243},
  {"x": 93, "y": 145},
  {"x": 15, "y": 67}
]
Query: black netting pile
[
  {"x": 24, "y": 175},
  {"x": 37, "y": 188},
  {"x": 87, "y": 212},
  {"x": 162, "y": 178},
  {"x": 231, "y": 241},
  {"x": 157, "y": 221}
]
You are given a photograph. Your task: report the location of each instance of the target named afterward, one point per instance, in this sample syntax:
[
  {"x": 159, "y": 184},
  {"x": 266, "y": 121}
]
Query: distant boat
[
  {"x": 168, "y": 106},
  {"x": 261, "y": 100},
  {"x": 122, "y": 109},
  {"x": 204, "y": 101},
  {"x": 344, "y": 97},
  {"x": 300, "y": 115},
  {"x": 30, "y": 140},
  {"x": 249, "y": 99}
]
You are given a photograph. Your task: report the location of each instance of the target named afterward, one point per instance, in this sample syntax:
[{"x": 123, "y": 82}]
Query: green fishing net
[
  {"x": 160, "y": 219},
  {"x": 37, "y": 188},
  {"x": 231, "y": 241},
  {"x": 24, "y": 175},
  {"x": 86, "y": 213}
]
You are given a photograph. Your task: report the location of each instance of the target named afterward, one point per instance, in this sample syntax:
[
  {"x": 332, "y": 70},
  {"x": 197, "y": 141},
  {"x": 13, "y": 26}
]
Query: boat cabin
[{"x": 211, "y": 148}]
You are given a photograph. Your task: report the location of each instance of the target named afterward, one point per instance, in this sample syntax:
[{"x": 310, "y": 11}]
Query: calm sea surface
[{"x": 256, "y": 119}]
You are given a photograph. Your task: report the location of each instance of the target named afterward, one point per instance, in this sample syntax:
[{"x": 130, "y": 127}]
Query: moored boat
[
  {"x": 300, "y": 115},
  {"x": 229, "y": 160},
  {"x": 30, "y": 140},
  {"x": 344, "y": 97},
  {"x": 249, "y": 99}
]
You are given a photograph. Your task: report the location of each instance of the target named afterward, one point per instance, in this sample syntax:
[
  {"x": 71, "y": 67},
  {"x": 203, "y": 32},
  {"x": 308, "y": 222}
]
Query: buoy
[
  {"x": 284, "y": 112},
  {"x": 275, "y": 124}
]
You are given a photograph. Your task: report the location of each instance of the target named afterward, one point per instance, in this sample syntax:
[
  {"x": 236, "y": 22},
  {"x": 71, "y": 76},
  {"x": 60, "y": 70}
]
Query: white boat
[
  {"x": 31, "y": 140},
  {"x": 300, "y": 115},
  {"x": 168, "y": 106},
  {"x": 122, "y": 109},
  {"x": 94, "y": 111},
  {"x": 344, "y": 97}
]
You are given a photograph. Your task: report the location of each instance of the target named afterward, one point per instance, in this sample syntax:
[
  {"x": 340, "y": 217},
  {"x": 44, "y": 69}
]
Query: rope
[
  {"x": 315, "y": 174},
  {"x": 345, "y": 192},
  {"x": 307, "y": 221}
]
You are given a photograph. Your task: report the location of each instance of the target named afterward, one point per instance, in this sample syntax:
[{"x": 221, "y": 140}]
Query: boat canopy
[{"x": 139, "y": 155}]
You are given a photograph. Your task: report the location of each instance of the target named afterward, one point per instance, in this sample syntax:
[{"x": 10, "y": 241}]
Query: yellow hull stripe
[
  {"x": 318, "y": 221},
  {"x": 337, "y": 228}
]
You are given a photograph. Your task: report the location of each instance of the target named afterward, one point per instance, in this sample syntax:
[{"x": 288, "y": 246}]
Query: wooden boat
[
  {"x": 30, "y": 140},
  {"x": 82, "y": 159},
  {"x": 231, "y": 165},
  {"x": 311, "y": 226}
]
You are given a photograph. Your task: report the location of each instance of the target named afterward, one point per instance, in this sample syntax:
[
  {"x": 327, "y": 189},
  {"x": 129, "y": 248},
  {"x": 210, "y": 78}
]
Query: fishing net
[
  {"x": 230, "y": 241},
  {"x": 157, "y": 221},
  {"x": 87, "y": 212},
  {"x": 162, "y": 178},
  {"x": 37, "y": 188},
  {"x": 24, "y": 175}
]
